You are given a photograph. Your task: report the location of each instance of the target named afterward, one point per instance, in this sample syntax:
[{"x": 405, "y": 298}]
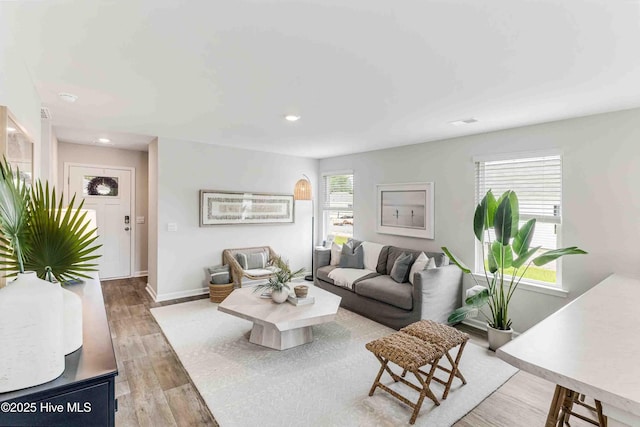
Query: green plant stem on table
[
  {"x": 281, "y": 277},
  {"x": 509, "y": 253}
]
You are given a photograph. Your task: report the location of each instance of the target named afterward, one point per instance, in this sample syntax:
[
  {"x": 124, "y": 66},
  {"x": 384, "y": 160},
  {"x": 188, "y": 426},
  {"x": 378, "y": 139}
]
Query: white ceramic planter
[
  {"x": 72, "y": 329},
  {"x": 280, "y": 296},
  {"x": 498, "y": 338},
  {"x": 31, "y": 332}
]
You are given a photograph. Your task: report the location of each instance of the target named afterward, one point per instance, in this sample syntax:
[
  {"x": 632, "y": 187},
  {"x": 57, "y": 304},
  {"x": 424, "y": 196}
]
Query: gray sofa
[{"x": 435, "y": 292}]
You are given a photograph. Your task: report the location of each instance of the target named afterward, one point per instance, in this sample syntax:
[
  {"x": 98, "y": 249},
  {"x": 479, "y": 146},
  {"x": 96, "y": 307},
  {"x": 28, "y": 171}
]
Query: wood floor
[{"x": 153, "y": 389}]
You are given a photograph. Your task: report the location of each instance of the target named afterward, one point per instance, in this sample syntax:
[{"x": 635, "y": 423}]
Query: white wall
[
  {"x": 152, "y": 256},
  {"x": 17, "y": 91},
  {"x": 184, "y": 168},
  {"x": 107, "y": 156},
  {"x": 601, "y": 199}
]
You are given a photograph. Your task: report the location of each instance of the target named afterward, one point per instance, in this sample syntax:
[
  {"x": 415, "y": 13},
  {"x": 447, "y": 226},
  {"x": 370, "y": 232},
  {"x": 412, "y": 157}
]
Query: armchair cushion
[{"x": 250, "y": 261}]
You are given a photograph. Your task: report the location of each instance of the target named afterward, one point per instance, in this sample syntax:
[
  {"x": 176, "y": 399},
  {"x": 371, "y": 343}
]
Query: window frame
[
  {"x": 530, "y": 284},
  {"x": 325, "y": 213}
]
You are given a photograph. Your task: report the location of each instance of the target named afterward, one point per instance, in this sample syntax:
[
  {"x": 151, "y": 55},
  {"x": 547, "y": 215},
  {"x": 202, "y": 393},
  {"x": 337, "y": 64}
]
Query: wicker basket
[{"x": 217, "y": 293}]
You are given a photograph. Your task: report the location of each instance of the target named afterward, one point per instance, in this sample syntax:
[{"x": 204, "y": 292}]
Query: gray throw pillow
[
  {"x": 351, "y": 258},
  {"x": 249, "y": 260},
  {"x": 401, "y": 268},
  {"x": 220, "y": 274}
]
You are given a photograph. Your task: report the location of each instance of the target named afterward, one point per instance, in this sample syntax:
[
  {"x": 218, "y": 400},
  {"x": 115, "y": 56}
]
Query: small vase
[
  {"x": 498, "y": 337},
  {"x": 31, "y": 332},
  {"x": 72, "y": 332},
  {"x": 279, "y": 296}
]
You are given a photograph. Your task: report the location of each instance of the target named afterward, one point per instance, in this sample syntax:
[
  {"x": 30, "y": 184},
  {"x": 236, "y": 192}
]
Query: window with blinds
[
  {"x": 537, "y": 180},
  {"x": 337, "y": 207}
]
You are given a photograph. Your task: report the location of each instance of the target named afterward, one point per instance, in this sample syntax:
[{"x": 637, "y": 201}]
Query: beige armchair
[{"x": 256, "y": 261}]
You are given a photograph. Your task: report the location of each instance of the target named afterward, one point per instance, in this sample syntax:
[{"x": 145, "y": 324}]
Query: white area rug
[{"x": 323, "y": 383}]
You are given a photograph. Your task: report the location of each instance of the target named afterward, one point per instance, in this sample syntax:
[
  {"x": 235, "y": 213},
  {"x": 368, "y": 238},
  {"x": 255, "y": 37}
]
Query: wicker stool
[
  {"x": 445, "y": 338},
  {"x": 410, "y": 353}
]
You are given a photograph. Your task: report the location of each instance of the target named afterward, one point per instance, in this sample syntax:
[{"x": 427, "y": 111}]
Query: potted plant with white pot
[
  {"x": 40, "y": 239},
  {"x": 278, "y": 283},
  {"x": 508, "y": 258}
]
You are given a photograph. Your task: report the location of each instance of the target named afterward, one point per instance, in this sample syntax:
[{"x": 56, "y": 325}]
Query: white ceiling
[{"x": 363, "y": 74}]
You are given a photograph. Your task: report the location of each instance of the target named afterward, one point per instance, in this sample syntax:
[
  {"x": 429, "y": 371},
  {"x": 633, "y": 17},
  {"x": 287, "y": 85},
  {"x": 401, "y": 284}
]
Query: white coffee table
[{"x": 281, "y": 326}]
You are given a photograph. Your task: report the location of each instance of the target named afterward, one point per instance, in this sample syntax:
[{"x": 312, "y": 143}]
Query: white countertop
[{"x": 592, "y": 345}]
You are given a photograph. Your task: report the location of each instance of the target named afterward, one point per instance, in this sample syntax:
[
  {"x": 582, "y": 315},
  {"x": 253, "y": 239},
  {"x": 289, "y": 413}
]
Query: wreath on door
[{"x": 102, "y": 186}]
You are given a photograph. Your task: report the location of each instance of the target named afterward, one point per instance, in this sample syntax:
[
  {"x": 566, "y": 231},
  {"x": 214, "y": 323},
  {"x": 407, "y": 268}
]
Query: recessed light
[
  {"x": 464, "y": 122},
  {"x": 68, "y": 97},
  {"x": 104, "y": 140},
  {"x": 10, "y": 129},
  {"x": 291, "y": 118}
]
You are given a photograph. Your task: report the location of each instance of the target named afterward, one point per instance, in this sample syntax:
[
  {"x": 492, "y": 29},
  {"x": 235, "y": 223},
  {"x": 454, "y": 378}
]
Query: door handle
[{"x": 126, "y": 229}]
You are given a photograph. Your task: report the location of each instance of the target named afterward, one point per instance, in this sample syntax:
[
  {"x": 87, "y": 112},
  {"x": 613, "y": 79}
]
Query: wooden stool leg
[
  {"x": 383, "y": 366},
  {"x": 455, "y": 372},
  {"x": 556, "y": 404}
]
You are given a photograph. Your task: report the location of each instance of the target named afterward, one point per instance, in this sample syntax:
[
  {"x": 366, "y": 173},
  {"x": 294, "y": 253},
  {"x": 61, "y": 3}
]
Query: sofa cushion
[
  {"x": 336, "y": 251},
  {"x": 322, "y": 273},
  {"x": 371, "y": 255},
  {"x": 385, "y": 289},
  {"x": 382, "y": 260},
  {"x": 423, "y": 262},
  {"x": 395, "y": 252},
  {"x": 400, "y": 270},
  {"x": 347, "y": 277},
  {"x": 351, "y": 257}
]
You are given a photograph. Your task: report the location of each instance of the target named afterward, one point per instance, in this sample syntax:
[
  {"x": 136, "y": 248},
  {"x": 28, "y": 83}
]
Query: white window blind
[
  {"x": 338, "y": 192},
  {"x": 536, "y": 180}
]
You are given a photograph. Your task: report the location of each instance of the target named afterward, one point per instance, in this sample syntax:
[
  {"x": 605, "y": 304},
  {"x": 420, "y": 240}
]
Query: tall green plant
[{"x": 511, "y": 248}]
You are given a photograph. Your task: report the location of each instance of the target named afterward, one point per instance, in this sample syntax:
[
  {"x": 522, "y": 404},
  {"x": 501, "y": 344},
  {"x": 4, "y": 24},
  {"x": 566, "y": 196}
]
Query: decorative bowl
[{"x": 301, "y": 291}]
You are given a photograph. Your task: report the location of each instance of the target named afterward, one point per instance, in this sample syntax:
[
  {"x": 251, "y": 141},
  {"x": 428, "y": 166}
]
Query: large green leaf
[
  {"x": 503, "y": 255},
  {"x": 455, "y": 260},
  {"x": 478, "y": 300},
  {"x": 503, "y": 221},
  {"x": 522, "y": 259},
  {"x": 523, "y": 237},
  {"x": 549, "y": 256},
  {"x": 479, "y": 219},
  {"x": 59, "y": 239},
  {"x": 493, "y": 263},
  {"x": 462, "y": 313},
  {"x": 492, "y": 206}
]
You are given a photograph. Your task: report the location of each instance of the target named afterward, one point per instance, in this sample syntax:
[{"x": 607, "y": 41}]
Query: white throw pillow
[
  {"x": 423, "y": 262},
  {"x": 336, "y": 251},
  {"x": 371, "y": 254}
]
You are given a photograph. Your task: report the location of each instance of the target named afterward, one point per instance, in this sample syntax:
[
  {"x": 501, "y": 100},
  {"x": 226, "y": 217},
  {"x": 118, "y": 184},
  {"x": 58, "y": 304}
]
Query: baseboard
[
  {"x": 151, "y": 292},
  {"x": 180, "y": 294},
  {"x": 140, "y": 273},
  {"x": 481, "y": 325}
]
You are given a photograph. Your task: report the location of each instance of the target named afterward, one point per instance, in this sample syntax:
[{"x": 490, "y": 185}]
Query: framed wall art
[
  {"x": 227, "y": 208},
  {"x": 406, "y": 209}
]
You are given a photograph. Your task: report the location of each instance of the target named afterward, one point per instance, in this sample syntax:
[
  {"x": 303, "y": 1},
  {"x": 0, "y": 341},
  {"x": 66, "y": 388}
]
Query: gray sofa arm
[
  {"x": 321, "y": 258},
  {"x": 441, "y": 291}
]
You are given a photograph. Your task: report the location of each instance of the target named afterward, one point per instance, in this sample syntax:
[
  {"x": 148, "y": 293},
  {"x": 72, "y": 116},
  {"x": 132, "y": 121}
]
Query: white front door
[{"x": 108, "y": 192}]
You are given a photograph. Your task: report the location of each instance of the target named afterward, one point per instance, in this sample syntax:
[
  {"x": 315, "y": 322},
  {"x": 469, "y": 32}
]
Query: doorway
[{"x": 110, "y": 191}]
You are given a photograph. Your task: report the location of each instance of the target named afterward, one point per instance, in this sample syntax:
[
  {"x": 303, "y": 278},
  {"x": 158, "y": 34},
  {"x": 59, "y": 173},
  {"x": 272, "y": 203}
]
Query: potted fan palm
[
  {"x": 40, "y": 235},
  {"x": 278, "y": 283},
  {"x": 509, "y": 257}
]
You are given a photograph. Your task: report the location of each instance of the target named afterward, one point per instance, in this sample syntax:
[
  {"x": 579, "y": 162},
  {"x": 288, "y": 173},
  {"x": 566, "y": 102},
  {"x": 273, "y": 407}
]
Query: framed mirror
[{"x": 16, "y": 145}]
